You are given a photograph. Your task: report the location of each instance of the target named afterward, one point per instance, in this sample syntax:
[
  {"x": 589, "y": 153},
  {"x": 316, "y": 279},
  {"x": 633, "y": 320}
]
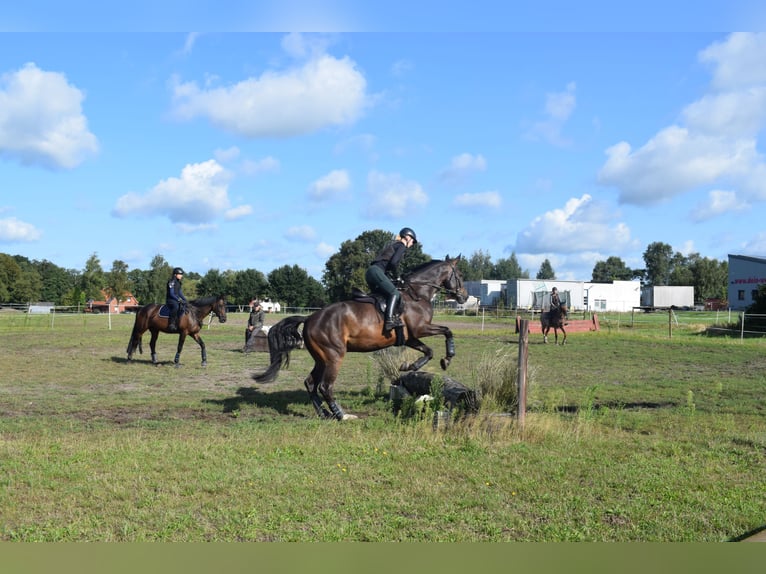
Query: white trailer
[{"x": 665, "y": 296}]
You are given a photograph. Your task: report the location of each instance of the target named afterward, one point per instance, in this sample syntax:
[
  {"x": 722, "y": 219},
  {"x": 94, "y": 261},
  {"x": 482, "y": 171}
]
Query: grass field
[{"x": 630, "y": 435}]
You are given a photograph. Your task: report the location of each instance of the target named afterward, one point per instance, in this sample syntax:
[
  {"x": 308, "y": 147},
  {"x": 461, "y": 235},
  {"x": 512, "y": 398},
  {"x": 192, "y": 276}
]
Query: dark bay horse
[
  {"x": 190, "y": 323},
  {"x": 357, "y": 326},
  {"x": 554, "y": 319}
]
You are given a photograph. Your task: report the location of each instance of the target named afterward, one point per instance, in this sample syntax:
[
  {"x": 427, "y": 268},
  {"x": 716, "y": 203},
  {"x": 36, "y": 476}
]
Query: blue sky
[{"x": 258, "y": 146}]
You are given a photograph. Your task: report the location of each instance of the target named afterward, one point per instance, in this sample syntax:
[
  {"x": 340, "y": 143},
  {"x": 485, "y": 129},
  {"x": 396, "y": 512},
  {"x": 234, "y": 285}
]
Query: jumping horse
[
  {"x": 554, "y": 319},
  {"x": 356, "y": 326},
  {"x": 154, "y": 317}
]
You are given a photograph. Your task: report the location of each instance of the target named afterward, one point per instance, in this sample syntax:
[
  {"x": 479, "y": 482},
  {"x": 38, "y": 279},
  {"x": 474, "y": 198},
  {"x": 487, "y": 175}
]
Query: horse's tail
[
  {"x": 135, "y": 337},
  {"x": 283, "y": 338}
]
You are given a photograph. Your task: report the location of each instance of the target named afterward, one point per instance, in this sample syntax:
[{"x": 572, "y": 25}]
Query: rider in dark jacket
[
  {"x": 384, "y": 269},
  {"x": 174, "y": 298},
  {"x": 556, "y": 303}
]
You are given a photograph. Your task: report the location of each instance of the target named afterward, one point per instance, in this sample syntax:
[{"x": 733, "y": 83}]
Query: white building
[
  {"x": 489, "y": 292},
  {"x": 578, "y": 295},
  {"x": 746, "y": 274}
]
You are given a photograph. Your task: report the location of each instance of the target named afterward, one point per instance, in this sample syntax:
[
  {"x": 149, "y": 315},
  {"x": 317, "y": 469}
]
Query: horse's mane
[
  {"x": 204, "y": 301},
  {"x": 424, "y": 266}
]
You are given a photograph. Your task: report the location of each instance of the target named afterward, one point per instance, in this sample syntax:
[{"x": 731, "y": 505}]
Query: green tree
[
  {"x": 658, "y": 259},
  {"x": 246, "y": 285},
  {"x": 294, "y": 286},
  {"x": 711, "y": 277},
  {"x": 9, "y": 274},
  {"x": 613, "y": 269},
  {"x": 28, "y": 286},
  {"x": 546, "y": 271},
  {"x": 345, "y": 269},
  {"x": 479, "y": 266},
  {"x": 117, "y": 282},
  {"x": 92, "y": 278},
  {"x": 157, "y": 280},
  {"x": 508, "y": 268},
  {"x": 213, "y": 283}
]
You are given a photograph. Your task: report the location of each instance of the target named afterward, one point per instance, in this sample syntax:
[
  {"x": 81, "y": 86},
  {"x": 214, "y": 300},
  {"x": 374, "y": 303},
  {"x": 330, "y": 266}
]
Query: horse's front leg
[
  {"x": 418, "y": 345},
  {"x": 153, "y": 345},
  {"x": 181, "y": 339},
  {"x": 203, "y": 351}
]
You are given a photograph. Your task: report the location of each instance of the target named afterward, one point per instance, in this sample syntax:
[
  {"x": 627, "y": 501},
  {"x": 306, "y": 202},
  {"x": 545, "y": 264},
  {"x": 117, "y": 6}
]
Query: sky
[{"x": 286, "y": 129}]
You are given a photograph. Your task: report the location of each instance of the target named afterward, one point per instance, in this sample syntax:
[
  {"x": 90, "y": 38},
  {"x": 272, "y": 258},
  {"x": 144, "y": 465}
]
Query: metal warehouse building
[{"x": 746, "y": 274}]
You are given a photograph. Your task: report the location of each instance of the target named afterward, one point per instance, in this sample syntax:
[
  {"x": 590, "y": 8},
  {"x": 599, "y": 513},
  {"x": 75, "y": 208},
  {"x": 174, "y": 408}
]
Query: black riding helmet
[
  {"x": 407, "y": 232},
  {"x": 178, "y": 271}
]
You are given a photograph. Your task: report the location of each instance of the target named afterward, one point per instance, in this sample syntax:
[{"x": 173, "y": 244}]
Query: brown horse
[
  {"x": 357, "y": 326},
  {"x": 189, "y": 323},
  {"x": 554, "y": 318}
]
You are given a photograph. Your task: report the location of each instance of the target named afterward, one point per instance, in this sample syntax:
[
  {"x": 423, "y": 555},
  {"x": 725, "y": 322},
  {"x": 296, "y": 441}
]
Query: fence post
[
  {"x": 742, "y": 328},
  {"x": 522, "y": 370}
]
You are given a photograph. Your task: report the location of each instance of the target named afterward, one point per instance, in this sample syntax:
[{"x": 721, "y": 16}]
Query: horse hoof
[
  {"x": 444, "y": 364},
  {"x": 204, "y": 363},
  {"x": 348, "y": 417},
  {"x": 177, "y": 365}
]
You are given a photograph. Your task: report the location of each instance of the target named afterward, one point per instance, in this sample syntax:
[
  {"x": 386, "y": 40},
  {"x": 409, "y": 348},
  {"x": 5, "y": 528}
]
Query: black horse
[
  {"x": 554, "y": 319},
  {"x": 357, "y": 326},
  {"x": 189, "y": 323}
]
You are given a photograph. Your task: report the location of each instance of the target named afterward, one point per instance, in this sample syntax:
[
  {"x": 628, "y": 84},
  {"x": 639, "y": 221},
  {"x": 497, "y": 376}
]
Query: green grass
[{"x": 630, "y": 435}]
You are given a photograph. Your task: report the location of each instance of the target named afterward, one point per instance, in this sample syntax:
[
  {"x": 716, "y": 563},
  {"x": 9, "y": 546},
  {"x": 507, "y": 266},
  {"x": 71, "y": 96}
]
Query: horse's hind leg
[{"x": 316, "y": 400}]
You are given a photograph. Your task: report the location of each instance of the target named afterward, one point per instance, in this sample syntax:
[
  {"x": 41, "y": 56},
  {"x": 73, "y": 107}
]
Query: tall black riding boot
[
  {"x": 393, "y": 303},
  {"x": 173, "y": 322}
]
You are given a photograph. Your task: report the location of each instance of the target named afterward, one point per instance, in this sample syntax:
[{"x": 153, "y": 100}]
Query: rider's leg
[{"x": 391, "y": 306}]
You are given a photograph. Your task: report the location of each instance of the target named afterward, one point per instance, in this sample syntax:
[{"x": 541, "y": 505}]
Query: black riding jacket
[{"x": 389, "y": 257}]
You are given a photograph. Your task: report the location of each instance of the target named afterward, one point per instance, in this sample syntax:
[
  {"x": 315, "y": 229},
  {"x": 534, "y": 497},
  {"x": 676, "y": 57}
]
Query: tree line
[{"x": 25, "y": 281}]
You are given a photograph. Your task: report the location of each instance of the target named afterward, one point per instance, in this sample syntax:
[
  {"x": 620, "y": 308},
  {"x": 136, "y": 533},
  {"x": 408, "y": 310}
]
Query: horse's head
[
  {"x": 219, "y": 308},
  {"x": 453, "y": 284}
]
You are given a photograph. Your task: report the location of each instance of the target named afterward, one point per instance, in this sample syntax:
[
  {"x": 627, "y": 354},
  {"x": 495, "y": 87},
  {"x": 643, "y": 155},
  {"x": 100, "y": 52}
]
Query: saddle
[
  {"x": 165, "y": 311},
  {"x": 380, "y": 302}
]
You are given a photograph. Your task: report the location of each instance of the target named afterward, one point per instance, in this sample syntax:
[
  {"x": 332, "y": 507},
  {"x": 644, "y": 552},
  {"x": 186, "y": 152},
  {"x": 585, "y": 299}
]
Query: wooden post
[
  {"x": 670, "y": 323},
  {"x": 522, "y": 378}
]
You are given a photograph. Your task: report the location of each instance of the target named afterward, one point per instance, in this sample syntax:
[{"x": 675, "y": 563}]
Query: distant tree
[
  {"x": 658, "y": 258},
  {"x": 9, "y": 274},
  {"x": 56, "y": 281},
  {"x": 139, "y": 286},
  {"x": 157, "y": 280},
  {"x": 508, "y": 268},
  {"x": 93, "y": 278},
  {"x": 345, "y": 269},
  {"x": 479, "y": 266},
  {"x": 117, "y": 281},
  {"x": 546, "y": 271},
  {"x": 295, "y": 287},
  {"x": 711, "y": 277},
  {"x": 213, "y": 283},
  {"x": 680, "y": 272},
  {"x": 246, "y": 285},
  {"x": 28, "y": 286},
  {"x": 613, "y": 269}
]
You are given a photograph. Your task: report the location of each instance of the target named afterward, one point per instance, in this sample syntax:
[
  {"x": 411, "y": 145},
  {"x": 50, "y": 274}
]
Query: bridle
[{"x": 439, "y": 287}]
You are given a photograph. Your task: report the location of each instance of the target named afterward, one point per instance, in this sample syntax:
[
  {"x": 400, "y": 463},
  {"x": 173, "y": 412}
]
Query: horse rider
[
  {"x": 556, "y": 303},
  {"x": 174, "y": 298},
  {"x": 254, "y": 324},
  {"x": 384, "y": 270}
]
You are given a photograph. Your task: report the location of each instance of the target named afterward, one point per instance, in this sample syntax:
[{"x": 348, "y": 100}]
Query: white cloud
[
  {"x": 198, "y": 196},
  {"x": 324, "y": 91},
  {"x": 718, "y": 202},
  {"x": 300, "y": 233},
  {"x": 257, "y": 166},
  {"x": 715, "y": 143},
  {"x": 463, "y": 164},
  {"x": 392, "y": 196},
  {"x": 15, "y": 230},
  {"x": 487, "y": 199},
  {"x": 558, "y": 108},
  {"x": 41, "y": 119},
  {"x": 331, "y": 185},
  {"x": 324, "y": 250},
  {"x": 582, "y": 225},
  {"x": 238, "y": 212}
]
